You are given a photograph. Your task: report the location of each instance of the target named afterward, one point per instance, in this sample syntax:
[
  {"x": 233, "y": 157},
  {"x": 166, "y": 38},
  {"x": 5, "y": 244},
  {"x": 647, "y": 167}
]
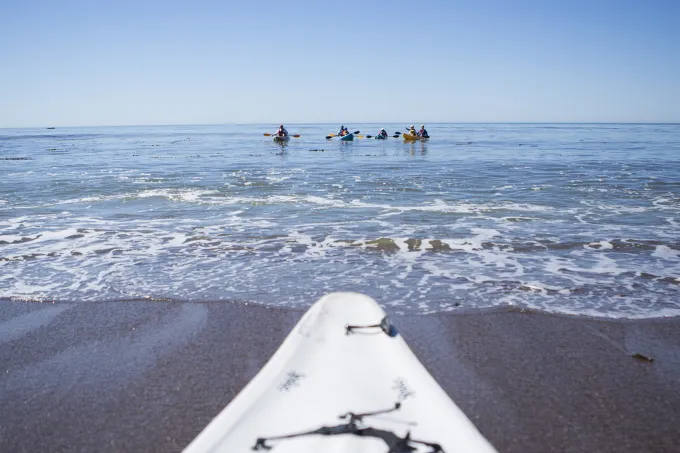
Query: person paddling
[
  {"x": 412, "y": 131},
  {"x": 343, "y": 131},
  {"x": 282, "y": 132},
  {"x": 423, "y": 132},
  {"x": 382, "y": 134}
]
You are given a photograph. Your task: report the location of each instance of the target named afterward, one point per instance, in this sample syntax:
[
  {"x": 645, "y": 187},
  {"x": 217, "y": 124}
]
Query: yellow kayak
[{"x": 410, "y": 137}]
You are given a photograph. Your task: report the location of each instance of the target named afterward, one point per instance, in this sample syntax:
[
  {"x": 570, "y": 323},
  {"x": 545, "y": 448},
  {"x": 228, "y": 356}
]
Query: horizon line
[{"x": 670, "y": 123}]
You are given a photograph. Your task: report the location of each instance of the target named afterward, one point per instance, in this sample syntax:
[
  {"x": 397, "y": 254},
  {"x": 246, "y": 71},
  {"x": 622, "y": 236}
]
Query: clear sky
[{"x": 123, "y": 62}]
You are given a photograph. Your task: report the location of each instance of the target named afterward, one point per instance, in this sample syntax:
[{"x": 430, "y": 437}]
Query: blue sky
[{"x": 79, "y": 63}]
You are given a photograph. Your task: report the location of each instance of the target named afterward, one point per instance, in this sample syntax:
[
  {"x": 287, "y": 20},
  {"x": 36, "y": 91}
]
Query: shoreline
[
  {"x": 140, "y": 376},
  {"x": 458, "y": 311}
]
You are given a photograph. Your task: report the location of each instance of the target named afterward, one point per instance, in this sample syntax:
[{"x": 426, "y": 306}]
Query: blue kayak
[{"x": 347, "y": 138}]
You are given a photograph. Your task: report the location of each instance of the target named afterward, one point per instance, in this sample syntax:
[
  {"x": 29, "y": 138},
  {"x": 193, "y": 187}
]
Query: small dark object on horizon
[{"x": 639, "y": 356}]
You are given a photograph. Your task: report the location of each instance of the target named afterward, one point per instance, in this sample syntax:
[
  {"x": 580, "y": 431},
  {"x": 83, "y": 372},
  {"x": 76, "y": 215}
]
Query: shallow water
[{"x": 567, "y": 218}]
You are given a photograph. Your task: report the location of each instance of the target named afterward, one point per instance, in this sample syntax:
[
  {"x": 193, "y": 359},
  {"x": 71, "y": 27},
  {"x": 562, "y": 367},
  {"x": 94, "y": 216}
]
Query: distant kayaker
[
  {"x": 382, "y": 133},
  {"x": 343, "y": 131},
  {"x": 423, "y": 132},
  {"x": 412, "y": 131},
  {"x": 282, "y": 132}
]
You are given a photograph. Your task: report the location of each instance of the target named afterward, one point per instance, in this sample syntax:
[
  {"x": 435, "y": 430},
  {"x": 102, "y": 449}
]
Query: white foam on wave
[
  {"x": 277, "y": 176},
  {"x": 24, "y": 222},
  {"x": 312, "y": 247},
  {"x": 620, "y": 209},
  {"x": 472, "y": 243},
  {"x": 441, "y": 206},
  {"x": 229, "y": 258},
  {"x": 21, "y": 173},
  {"x": 601, "y": 245},
  {"x": 32, "y": 291},
  {"x": 86, "y": 200},
  {"x": 671, "y": 203},
  {"x": 542, "y": 287},
  {"x": 666, "y": 253},
  {"x": 600, "y": 263},
  {"x": 215, "y": 198},
  {"x": 54, "y": 235},
  {"x": 10, "y": 238},
  {"x": 277, "y": 179},
  {"x": 188, "y": 195},
  {"x": 406, "y": 257}
]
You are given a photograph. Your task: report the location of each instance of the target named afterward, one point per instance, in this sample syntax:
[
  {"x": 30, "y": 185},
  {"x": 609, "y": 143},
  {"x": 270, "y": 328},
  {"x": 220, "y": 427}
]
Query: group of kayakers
[{"x": 422, "y": 133}]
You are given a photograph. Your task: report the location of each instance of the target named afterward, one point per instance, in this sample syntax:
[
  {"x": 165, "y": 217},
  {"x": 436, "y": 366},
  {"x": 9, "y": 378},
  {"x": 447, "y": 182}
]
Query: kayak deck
[
  {"x": 344, "y": 380},
  {"x": 412, "y": 138}
]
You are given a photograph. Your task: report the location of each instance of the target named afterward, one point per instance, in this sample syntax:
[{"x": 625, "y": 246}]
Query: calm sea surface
[{"x": 579, "y": 219}]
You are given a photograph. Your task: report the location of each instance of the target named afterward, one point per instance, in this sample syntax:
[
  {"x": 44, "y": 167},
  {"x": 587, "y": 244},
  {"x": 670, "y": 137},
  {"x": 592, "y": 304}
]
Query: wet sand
[{"x": 148, "y": 376}]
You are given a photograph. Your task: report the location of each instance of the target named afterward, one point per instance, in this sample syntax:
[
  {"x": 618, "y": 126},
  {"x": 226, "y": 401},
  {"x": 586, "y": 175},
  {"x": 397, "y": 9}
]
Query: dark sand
[{"x": 148, "y": 376}]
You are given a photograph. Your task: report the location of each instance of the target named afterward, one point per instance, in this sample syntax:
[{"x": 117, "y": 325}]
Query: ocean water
[{"x": 565, "y": 218}]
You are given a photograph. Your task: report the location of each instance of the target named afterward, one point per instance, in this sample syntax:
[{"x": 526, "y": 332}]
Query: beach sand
[{"x": 148, "y": 376}]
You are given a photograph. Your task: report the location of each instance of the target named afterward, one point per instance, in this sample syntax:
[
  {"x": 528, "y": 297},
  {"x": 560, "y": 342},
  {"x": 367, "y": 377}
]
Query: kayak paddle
[
  {"x": 336, "y": 135},
  {"x": 294, "y": 135}
]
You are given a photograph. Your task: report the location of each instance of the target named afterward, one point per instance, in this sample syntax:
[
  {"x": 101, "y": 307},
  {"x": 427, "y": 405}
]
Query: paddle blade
[
  {"x": 329, "y": 137},
  {"x": 358, "y": 136},
  {"x": 267, "y": 135},
  {"x": 395, "y": 136},
  {"x": 369, "y": 136},
  {"x": 296, "y": 135},
  {"x": 356, "y": 132},
  {"x": 397, "y": 133}
]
